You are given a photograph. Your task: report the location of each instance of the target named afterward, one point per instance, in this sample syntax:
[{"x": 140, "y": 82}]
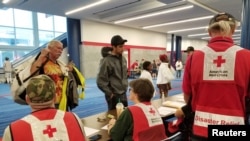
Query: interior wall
[
  {"x": 138, "y": 54},
  {"x": 197, "y": 44},
  {"x": 141, "y": 44},
  {"x": 102, "y": 33}
]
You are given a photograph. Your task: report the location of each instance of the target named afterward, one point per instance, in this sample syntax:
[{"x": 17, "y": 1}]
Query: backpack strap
[{"x": 34, "y": 73}]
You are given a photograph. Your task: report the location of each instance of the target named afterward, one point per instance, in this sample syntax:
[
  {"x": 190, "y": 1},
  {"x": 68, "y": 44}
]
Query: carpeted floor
[{"x": 93, "y": 103}]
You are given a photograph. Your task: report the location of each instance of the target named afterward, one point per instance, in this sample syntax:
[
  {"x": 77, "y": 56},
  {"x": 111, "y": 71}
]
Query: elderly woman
[{"x": 139, "y": 122}]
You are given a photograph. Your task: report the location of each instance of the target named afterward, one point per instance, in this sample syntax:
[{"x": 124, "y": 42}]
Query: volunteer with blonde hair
[{"x": 217, "y": 79}]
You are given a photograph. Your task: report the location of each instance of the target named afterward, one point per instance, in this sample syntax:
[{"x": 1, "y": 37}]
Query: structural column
[
  {"x": 172, "y": 51},
  {"x": 178, "y": 48},
  {"x": 74, "y": 40},
  {"x": 245, "y": 28}
]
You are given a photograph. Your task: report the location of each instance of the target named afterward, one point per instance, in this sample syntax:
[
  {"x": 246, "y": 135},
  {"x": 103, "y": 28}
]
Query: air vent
[
  {"x": 22, "y": 2},
  {"x": 121, "y": 6}
]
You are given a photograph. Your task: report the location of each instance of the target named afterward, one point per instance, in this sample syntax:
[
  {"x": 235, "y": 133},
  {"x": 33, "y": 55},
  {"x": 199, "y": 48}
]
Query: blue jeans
[{"x": 178, "y": 74}]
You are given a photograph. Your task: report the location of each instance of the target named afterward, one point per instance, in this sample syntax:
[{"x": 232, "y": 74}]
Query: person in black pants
[{"x": 112, "y": 78}]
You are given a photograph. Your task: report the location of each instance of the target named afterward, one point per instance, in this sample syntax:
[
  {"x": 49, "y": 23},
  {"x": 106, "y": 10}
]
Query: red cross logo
[
  {"x": 49, "y": 131},
  {"x": 219, "y": 61},
  {"x": 152, "y": 111}
]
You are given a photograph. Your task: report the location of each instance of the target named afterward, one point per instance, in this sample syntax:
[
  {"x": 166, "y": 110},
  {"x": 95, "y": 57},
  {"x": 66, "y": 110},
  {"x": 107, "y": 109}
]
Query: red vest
[
  {"x": 220, "y": 83},
  {"x": 46, "y": 125},
  {"x": 148, "y": 125}
]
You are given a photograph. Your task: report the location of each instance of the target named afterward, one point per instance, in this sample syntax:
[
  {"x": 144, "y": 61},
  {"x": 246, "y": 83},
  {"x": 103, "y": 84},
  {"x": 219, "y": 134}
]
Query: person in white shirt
[
  {"x": 178, "y": 66},
  {"x": 146, "y": 72},
  {"x": 7, "y": 70},
  {"x": 165, "y": 75}
]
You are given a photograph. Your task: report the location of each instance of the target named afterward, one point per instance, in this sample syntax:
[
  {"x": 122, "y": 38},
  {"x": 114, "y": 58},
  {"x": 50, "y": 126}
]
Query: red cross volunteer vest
[
  {"x": 63, "y": 127},
  {"x": 218, "y": 101},
  {"x": 148, "y": 125}
]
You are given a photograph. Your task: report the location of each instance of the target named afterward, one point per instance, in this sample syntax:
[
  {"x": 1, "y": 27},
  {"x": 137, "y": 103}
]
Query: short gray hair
[{"x": 52, "y": 43}]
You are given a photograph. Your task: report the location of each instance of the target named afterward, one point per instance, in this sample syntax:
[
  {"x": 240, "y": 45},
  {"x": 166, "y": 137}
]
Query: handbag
[{"x": 170, "y": 73}]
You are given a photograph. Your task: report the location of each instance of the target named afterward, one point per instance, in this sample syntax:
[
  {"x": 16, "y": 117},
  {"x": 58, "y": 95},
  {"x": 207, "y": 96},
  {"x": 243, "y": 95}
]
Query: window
[
  {"x": 24, "y": 37},
  {"x": 9, "y": 54},
  {"x": 20, "y": 53},
  {"x": 23, "y": 18},
  {"x": 7, "y": 36},
  {"x": 20, "y": 28},
  {"x": 60, "y": 24},
  {"x": 50, "y": 27},
  {"x": 7, "y": 15},
  {"x": 58, "y": 34},
  {"x": 45, "y": 21},
  {"x": 45, "y": 37}
]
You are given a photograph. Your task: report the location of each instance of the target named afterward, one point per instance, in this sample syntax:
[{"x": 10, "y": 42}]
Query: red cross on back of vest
[
  {"x": 49, "y": 131},
  {"x": 152, "y": 111},
  {"x": 219, "y": 61}
]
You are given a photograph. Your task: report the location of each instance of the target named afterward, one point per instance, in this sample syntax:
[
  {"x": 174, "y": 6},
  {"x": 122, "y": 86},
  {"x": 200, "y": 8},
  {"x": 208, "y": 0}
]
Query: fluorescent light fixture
[
  {"x": 188, "y": 29},
  {"x": 236, "y": 35},
  {"x": 195, "y": 35},
  {"x": 154, "y": 14},
  {"x": 205, "y": 37},
  {"x": 237, "y": 30},
  {"x": 86, "y": 7},
  {"x": 204, "y": 34},
  {"x": 236, "y": 38},
  {"x": 210, "y": 37},
  {"x": 178, "y": 22},
  {"x": 5, "y": 1}
]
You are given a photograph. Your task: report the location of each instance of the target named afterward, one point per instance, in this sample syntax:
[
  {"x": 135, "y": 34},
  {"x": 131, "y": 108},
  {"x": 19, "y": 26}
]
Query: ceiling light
[
  {"x": 236, "y": 35},
  {"x": 86, "y": 7},
  {"x": 205, "y": 37},
  {"x": 188, "y": 29},
  {"x": 177, "y": 22},
  {"x": 194, "y": 35},
  {"x": 5, "y": 1},
  {"x": 236, "y": 38},
  {"x": 154, "y": 14}
]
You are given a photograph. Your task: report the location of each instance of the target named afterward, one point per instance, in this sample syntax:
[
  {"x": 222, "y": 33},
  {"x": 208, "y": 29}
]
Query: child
[{"x": 147, "y": 71}]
